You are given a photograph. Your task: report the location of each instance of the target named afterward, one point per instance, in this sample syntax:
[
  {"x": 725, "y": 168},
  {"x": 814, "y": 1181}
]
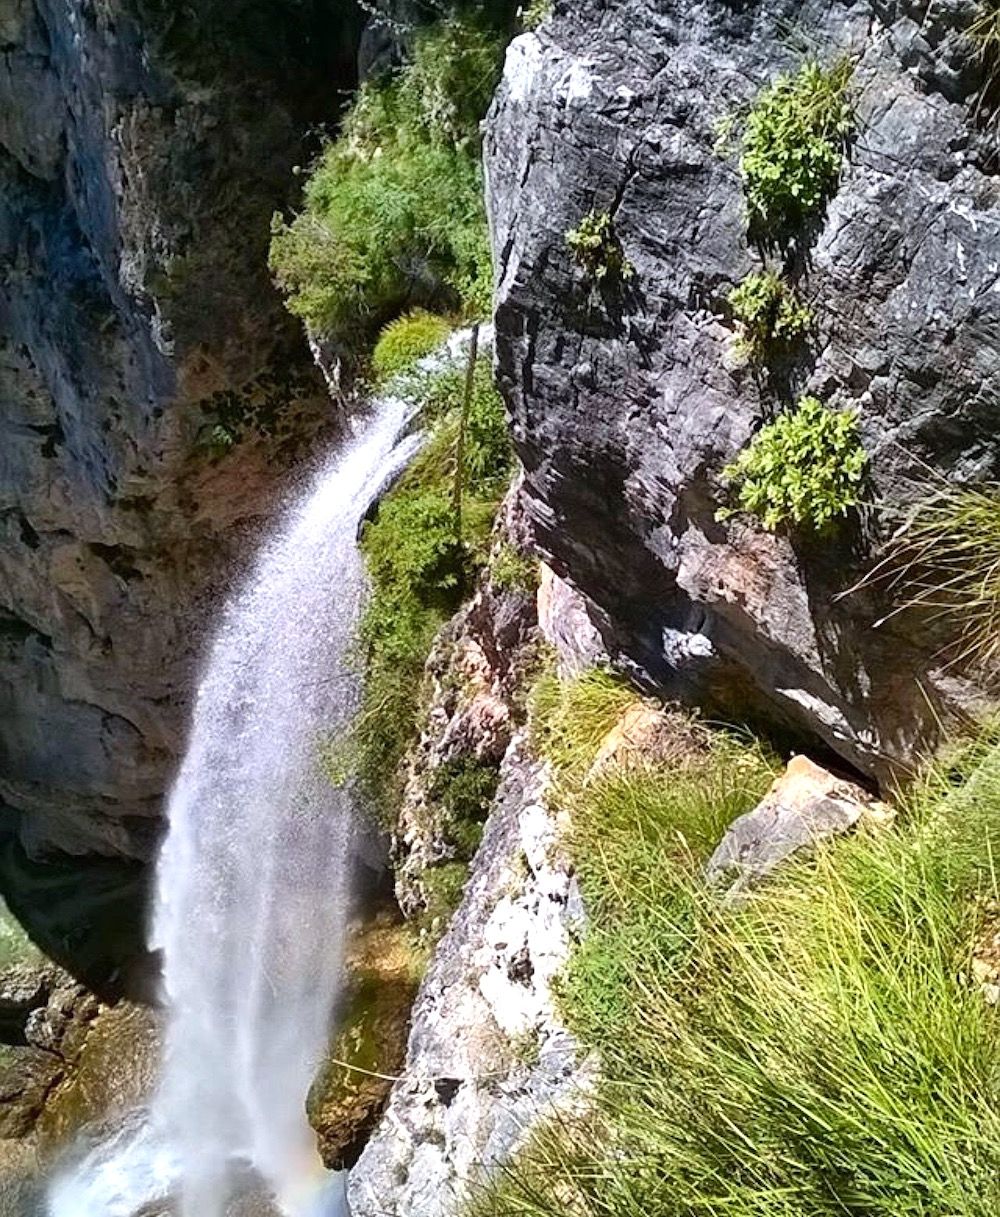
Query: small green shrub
[
  {"x": 770, "y": 313},
  {"x": 394, "y": 211},
  {"x": 792, "y": 144},
  {"x": 512, "y": 570},
  {"x": 803, "y": 470},
  {"x": 405, "y": 341},
  {"x": 597, "y": 250},
  {"x": 464, "y": 787},
  {"x": 444, "y": 886}
]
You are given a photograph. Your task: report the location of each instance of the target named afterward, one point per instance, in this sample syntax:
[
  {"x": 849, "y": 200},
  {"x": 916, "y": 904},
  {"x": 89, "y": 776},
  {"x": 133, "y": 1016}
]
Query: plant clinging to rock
[
  {"x": 792, "y": 145},
  {"x": 405, "y": 341},
  {"x": 770, "y": 314},
  {"x": 804, "y": 470},
  {"x": 597, "y": 250}
]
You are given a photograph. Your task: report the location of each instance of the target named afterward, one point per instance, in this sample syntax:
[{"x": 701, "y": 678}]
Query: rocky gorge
[{"x": 158, "y": 404}]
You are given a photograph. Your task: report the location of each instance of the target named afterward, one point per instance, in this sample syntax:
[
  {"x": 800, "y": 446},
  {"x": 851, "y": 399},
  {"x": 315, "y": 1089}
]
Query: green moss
[
  {"x": 421, "y": 569},
  {"x": 394, "y": 211},
  {"x": 536, "y": 13},
  {"x": 464, "y": 788},
  {"x": 511, "y": 570},
  {"x": 803, "y": 470},
  {"x": 444, "y": 886}
]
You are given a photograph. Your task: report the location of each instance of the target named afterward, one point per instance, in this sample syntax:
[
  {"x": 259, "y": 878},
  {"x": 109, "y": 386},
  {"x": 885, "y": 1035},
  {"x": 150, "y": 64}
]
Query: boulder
[{"x": 805, "y": 806}]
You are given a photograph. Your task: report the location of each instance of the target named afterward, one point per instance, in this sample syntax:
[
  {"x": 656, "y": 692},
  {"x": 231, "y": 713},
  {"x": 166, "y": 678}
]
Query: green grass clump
[
  {"x": 394, "y": 212},
  {"x": 792, "y": 144},
  {"x": 463, "y": 787},
  {"x": 803, "y": 470},
  {"x": 945, "y": 560},
  {"x": 512, "y": 570},
  {"x": 405, "y": 341},
  {"x": 770, "y": 314},
  {"x": 571, "y": 718},
  {"x": 597, "y": 250},
  {"x": 421, "y": 568},
  {"x": 821, "y": 1049}
]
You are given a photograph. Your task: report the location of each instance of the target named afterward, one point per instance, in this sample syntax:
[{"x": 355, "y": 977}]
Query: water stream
[{"x": 254, "y": 876}]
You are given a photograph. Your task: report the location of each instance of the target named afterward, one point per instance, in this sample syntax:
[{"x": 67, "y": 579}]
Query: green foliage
[
  {"x": 570, "y": 719},
  {"x": 420, "y": 570},
  {"x": 597, "y": 250},
  {"x": 394, "y": 207},
  {"x": 405, "y": 341},
  {"x": 536, "y": 13},
  {"x": 803, "y": 470},
  {"x": 443, "y": 887},
  {"x": 511, "y": 570},
  {"x": 770, "y": 313},
  {"x": 792, "y": 144},
  {"x": 463, "y": 787},
  {"x": 820, "y": 1049},
  {"x": 945, "y": 560}
]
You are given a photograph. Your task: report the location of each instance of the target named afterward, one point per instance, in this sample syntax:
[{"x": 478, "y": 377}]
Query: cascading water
[{"x": 253, "y": 877}]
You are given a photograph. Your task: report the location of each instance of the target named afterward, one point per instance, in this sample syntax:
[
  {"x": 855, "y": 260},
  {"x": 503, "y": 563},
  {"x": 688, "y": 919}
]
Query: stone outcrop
[
  {"x": 806, "y": 806},
  {"x": 487, "y": 1056},
  {"x": 626, "y": 405},
  {"x": 153, "y": 394}
]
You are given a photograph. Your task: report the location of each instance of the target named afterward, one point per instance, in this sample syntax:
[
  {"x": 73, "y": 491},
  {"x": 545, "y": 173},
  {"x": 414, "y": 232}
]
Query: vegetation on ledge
[
  {"x": 825, "y": 1047},
  {"x": 394, "y": 215}
]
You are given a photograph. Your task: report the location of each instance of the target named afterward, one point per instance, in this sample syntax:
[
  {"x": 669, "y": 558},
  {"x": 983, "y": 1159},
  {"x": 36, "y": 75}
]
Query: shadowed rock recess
[
  {"x": 626, "y": 403},
  {"x": 152, "y": 389}
]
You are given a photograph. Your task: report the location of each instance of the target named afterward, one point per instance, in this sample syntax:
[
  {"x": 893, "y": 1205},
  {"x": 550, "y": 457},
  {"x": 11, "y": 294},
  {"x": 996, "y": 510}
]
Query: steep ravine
[{"x": 152, "y": 393}]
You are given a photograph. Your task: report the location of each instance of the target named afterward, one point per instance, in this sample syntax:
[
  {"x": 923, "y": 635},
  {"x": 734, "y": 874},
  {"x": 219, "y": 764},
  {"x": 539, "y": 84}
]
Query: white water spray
[{"x": 253, "y": 878}]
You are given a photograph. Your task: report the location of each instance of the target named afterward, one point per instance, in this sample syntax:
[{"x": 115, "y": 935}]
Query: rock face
[
  {"x": 487, "y": 1055},
  {"x": 152, "y": 394},
  {"x": 627, "y": 407}
]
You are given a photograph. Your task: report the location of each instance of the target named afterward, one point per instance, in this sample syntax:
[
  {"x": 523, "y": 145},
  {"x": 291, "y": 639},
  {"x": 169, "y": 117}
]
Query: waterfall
[{"x": 253, "y": 877}]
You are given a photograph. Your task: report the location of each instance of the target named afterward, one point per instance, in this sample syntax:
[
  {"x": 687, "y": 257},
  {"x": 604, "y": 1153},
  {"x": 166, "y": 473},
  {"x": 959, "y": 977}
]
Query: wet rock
[{"x": 805, "y": 806}]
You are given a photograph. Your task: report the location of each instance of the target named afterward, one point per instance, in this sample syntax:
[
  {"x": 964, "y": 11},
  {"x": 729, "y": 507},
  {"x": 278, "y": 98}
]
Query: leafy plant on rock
[
  {"x": 792, "y": 144},
  {"x": 597, "y": 250},
  {"x": 770, "y": 314},
  {"x": 803, "y": 470}
]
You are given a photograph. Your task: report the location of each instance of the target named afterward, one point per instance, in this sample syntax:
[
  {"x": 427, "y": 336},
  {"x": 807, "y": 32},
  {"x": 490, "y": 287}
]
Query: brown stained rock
[
  {"x": 986, "y": 955},
  {"x": 805, "y": 805},
  {"x": 647, "y": 735},
  {"x": 348, "y": 1096}
]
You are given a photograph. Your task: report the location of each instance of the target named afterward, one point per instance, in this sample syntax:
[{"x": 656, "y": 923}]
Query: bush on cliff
[
  {"x": 825, "y": 1047},
  {"x": 394, "y": 213},
  {"x": 405, "y": 341},
  {"x": 792, "y": 142},
  {"x": 804, "y": 470}
]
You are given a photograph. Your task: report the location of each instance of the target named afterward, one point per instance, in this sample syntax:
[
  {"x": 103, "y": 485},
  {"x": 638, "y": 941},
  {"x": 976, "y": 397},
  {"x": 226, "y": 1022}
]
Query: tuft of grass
[
  {"x": 569, "y": 719},
  {"x": 535, "y": 13},
  {"x": 792, "y": 143},
  {"x": 771, "y": 316},
  {"x": 945, "y": 560},
  {"x": 803, "y": 470},
  {"x": 405, "y": 341},
  {"x": 820, "y": 1049}
]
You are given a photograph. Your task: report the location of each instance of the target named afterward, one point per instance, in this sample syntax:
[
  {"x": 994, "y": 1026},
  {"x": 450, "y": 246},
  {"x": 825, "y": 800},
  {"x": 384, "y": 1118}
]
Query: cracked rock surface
[{"x": 627, "y": 403}]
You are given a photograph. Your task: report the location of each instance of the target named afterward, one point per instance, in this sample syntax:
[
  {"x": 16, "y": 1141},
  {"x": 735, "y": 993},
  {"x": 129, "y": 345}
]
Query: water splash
[{"x": 253, "y": 878}]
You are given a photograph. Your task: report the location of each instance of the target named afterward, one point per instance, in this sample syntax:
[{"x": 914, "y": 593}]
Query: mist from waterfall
[{"x": 253, "y": 880}]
